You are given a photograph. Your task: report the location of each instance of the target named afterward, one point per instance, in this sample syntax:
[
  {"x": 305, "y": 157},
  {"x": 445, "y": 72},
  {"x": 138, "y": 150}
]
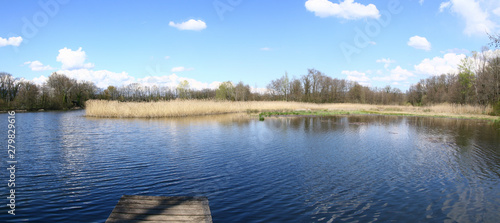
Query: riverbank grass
[{"x": 179, "y": 108}]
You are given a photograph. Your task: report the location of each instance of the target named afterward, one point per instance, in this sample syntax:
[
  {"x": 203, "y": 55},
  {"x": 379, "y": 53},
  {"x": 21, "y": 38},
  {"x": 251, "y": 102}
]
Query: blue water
[{"x": 307, "y": 169}]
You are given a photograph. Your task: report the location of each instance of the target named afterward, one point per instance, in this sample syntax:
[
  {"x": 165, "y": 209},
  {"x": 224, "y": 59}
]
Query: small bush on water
[{"x": 250, "y": 111}]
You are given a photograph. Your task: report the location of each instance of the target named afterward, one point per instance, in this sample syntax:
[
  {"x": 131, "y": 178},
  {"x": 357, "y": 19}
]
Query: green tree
[
  {"x": 183, "y": 89},
  {"x": 111, "y": 93},
  {"x": 61, "y": 87},
  {"x": 27, "y": 97},
  {"x": 241, "y": 92},
  {"x": 225, "y": 91},
  {"x": 9, "y": 87},
  {"x": 466, "y": 79},
  {"x": 280, "y": 87}
]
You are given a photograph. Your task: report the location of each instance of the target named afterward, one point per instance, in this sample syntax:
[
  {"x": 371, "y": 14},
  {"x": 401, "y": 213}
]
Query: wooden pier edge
[{"x": 153, "y": 209}]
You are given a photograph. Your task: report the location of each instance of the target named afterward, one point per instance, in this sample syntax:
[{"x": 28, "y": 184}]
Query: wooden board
[{"x": 152, "y": 209}]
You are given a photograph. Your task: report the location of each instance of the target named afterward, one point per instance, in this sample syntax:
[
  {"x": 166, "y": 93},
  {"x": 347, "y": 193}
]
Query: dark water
[{"x": 356, "y": 168}]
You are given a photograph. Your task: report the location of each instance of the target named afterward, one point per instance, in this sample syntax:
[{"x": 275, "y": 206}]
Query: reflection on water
[{"x": 300, "y": 169}]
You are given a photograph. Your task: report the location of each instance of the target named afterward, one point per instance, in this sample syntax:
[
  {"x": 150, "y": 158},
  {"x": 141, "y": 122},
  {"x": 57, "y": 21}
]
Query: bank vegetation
[
  {"x": 180, "y": 108},
  {"x": 474, "y": 89}
]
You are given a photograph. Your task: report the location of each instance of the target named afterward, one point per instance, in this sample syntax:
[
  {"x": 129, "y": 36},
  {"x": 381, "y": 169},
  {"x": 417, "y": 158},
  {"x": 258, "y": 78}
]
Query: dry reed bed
[{"x": 178, "y": 108}]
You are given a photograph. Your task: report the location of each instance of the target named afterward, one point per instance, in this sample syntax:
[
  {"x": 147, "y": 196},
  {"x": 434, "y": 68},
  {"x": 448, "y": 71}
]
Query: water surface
[{"x": 308, "y": 169}]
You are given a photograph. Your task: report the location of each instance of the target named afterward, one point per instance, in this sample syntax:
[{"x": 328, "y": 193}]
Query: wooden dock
[{"x": 153, "y": 209}]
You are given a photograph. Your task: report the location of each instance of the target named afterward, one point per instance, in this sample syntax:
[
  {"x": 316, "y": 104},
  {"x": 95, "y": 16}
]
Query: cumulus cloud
[
  {"x": 420, "y": 43},
  {"x": 102, "y": 78},
  {"x": 443, "y": 6},
  {"x": 73, "y": 59},
  {"x": 173, "y": 81},
  {"x": 440, "y": 65},
  {"x": 456, "y": 51},
  {"x": 181, "y": 69},
  {"x": 12, "y": 41},
  {"x": 347, "y": 9},
  {"x": 38, "y": 66},
  {"x": 357, "y": 76},
  {"x": 74, "y": 66},
  {"x": 477, "y": 21},
  {"x": 105, "y": 78},
  {"x": 491, "y": 53},
  {"x": 497, "y": 11},
  {"x": 195, "y": 25},
  {"x": 396, "y": 74},
  {"x": 259, "y": 90},
  {"x": 40, "y": 80},
  {"x": 386, "y": 61}
]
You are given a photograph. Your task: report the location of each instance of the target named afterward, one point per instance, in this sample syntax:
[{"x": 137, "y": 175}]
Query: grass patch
[
  {"x": 262, "y": 115},
  {"x": 393, "y": 109}
]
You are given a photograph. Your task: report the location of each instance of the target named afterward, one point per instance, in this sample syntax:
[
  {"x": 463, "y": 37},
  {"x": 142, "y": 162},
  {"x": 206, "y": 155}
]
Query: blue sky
[{"x": 376, "y": 43}]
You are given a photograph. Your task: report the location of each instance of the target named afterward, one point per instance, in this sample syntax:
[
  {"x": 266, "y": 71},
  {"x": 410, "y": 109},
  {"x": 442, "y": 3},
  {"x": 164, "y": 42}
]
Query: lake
[{"x": 290, "y": 169}]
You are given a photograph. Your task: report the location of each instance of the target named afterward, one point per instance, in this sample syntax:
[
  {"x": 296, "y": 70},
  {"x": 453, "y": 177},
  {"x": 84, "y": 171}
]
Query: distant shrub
[
  {"x": 393, "y": 109},
  {"x": 496, "y": 109}
]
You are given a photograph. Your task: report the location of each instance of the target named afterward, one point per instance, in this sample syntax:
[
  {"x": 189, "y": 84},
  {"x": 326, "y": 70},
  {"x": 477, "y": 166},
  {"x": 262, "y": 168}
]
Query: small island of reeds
[{"x": 180, "y": 108}]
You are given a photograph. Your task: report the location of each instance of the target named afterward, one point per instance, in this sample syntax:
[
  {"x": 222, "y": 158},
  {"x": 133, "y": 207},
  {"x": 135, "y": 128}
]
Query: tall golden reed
[{"x": 178, "y": 108}]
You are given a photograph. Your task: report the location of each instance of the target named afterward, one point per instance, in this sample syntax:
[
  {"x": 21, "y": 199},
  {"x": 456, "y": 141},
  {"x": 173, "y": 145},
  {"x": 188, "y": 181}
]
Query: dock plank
[{"x": 133, "y": 208}]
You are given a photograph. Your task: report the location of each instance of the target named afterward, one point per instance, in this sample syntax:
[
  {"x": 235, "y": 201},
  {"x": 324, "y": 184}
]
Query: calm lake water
[{"x": 306, "y": 169}]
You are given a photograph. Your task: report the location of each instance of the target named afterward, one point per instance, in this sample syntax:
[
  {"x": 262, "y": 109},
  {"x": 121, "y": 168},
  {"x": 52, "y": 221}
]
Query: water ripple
[{"x": 309, "y": 169}]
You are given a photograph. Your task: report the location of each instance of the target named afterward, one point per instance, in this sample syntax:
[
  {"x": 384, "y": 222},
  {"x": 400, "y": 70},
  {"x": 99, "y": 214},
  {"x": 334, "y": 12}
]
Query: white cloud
[
  {"x": 105, "y": 78},
  {"x": 173, "y": 81},
  {"x": 357, "y": 76},
  {"x": 40, "y": 80},
  {"x": 347, "y": 9},
  {"x": 13, "y": 41},
  {"x": 476, "y": 19},
  {"x": 443, "y": 6},
  {"x": 396, "y": 74},
  {"x": 456, "y": 51},
  {"x": 195, "y": 25},
  {"x": 387, "y": 62},
  {"x": 38, "y": 66},
  {"x": 265, "y": 49},
  {"x": 419, "y": 42},
  {"x": 440, "y": 65},
  {"x": 497, "y": 11},
  {"x": 258, "y": 90},
  {"x": 102, "y": 78},
  {"x": 181, "y": 69},
  {"x": 73, "y": 59},
  {"x": 421, "y": 2},
  {"x": 167, "y": 57},
  {"x": 491, "y": 53}
]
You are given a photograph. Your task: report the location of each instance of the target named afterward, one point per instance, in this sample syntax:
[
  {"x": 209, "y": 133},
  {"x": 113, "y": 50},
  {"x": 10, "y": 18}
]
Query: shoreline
[
  {"x": 311, "y": 113},
  {"x": 41, "y": 110}
]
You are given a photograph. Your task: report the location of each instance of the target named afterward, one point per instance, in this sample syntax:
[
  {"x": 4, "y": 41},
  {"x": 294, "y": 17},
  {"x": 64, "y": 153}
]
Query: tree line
[
  {"x": 476, "y": 83},
  {"x": 317, "y": 87},
  {"x": 60, "y": 92}
]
